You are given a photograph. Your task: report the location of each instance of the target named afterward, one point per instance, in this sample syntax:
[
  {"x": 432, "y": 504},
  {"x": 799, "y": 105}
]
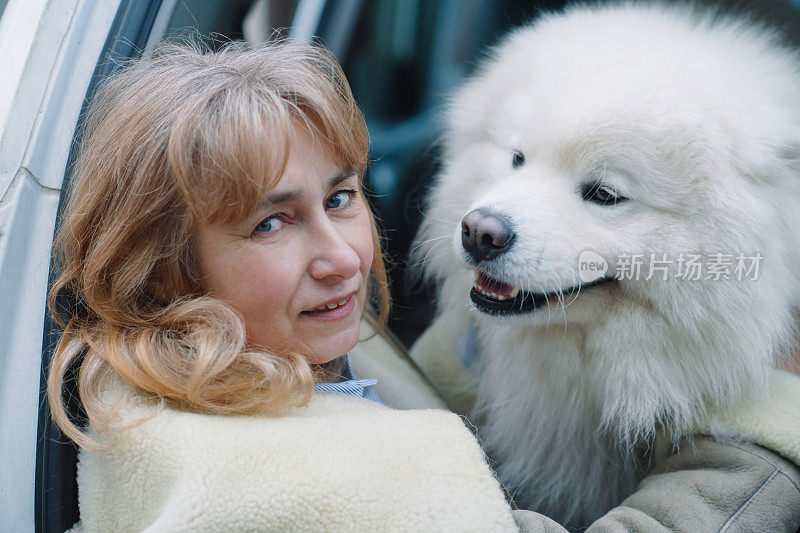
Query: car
[{"x": 401, "y": 56}]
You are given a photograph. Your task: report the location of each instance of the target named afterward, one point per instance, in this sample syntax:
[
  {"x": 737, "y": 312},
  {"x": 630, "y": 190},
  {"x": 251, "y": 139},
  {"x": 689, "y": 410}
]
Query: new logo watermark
[{"x": 591, "y": 266}]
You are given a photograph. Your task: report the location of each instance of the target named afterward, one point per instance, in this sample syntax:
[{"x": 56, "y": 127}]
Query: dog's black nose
[{"x": 486, "y": 235}]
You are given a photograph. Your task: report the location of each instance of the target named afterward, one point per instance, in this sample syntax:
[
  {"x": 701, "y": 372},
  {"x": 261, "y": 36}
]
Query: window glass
[
  {"x": 405, "y": 55},
  {"x": 219, "y": 21}
]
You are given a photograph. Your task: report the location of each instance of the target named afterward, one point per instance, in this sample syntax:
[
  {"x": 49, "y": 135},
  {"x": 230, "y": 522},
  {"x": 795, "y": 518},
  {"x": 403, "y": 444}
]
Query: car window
[
  {"x": 211, "y": 17},
  {"x": 218, "y": 21}
]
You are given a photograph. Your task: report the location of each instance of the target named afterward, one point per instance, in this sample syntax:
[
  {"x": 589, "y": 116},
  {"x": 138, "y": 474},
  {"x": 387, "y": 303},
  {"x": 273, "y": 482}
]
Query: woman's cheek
[{"x": 268, "y": 284}]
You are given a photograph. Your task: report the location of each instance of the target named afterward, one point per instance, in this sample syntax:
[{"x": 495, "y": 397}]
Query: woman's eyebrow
[
  {"x": 281, "y": 197},
  {"x": 340, "y": 177},
  {"x": 297, "y": 194}
]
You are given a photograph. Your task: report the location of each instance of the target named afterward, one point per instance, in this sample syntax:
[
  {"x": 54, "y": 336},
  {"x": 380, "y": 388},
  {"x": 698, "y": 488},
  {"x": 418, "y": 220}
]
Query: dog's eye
[
  {"x": 519, "y": 159},
  {"x": 598, "y": 193}
]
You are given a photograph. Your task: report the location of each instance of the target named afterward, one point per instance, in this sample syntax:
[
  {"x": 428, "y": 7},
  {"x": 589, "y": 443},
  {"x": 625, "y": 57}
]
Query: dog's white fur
[{"x": 695, "y": 118}]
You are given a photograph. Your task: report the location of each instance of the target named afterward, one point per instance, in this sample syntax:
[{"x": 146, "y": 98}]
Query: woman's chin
[{"x": 331, "y": 347}]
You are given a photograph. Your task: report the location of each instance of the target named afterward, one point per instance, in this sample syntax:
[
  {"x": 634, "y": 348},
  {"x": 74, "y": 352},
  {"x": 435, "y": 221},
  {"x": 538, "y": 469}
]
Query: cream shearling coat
[{"x": 339, "y": 464}]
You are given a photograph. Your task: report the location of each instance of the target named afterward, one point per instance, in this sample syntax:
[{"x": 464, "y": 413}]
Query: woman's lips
[{"x": 337, "y": 313}]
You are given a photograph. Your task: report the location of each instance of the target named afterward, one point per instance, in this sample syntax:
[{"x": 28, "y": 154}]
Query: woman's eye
[
  {"x": 269, "y": 225},
  {"x": 340, "y": 199},
  {"x": 518, "y": 159},
  {"x": 600, "y": 194}
]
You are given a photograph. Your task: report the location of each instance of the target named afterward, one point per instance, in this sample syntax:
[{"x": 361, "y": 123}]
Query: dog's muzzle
[{"x": 486, "y": 235}]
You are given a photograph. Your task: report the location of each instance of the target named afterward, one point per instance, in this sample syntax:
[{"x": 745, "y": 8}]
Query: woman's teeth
[{"x": 331, "y": 306}]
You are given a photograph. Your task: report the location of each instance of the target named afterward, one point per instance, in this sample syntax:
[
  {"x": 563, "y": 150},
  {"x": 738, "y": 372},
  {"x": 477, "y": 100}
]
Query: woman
[{"x": 221, "y": 252}]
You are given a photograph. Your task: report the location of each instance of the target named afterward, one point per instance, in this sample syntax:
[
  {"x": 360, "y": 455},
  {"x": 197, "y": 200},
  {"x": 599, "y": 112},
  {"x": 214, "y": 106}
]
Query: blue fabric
[
  {"x": 469, "y": 348},
  {"x": 350, "y": 386}
]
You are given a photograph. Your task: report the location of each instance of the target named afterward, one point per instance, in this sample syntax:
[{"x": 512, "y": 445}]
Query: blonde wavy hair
[{"x": 179, "y": 138}]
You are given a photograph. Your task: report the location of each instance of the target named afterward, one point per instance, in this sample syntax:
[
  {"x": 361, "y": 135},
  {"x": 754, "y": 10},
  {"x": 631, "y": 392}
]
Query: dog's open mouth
[{"x": 495, "y": 297}]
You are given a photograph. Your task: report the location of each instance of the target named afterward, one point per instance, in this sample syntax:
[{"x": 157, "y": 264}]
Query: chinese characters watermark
[{"x": 685, "y": 266}]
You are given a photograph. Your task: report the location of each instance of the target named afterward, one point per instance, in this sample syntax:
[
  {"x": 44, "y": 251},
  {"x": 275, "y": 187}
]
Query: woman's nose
[{"x": 333, "y": 257}]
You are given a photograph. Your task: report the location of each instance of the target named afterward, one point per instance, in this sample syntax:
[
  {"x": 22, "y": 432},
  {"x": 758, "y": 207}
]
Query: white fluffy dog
[{"x": 663, "y": 136}]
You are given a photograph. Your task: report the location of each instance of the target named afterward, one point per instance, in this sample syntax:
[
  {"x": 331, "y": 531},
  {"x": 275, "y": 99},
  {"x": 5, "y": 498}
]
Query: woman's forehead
[{"x": 237, "y": 174}]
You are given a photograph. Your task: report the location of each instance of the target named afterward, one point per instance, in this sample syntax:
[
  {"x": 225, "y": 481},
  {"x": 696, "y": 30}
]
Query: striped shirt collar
[{"x": 350, "y": 386}]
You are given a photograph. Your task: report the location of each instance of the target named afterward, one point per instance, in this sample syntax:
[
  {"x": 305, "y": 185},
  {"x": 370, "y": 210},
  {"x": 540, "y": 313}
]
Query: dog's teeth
[
  {"x": 476, "y": 274},
  {"x": 501, "y": 298},
  {"x": 514, "y": 292}
]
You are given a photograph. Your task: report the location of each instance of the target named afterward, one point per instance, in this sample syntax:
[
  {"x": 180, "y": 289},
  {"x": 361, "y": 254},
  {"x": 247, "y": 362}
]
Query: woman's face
[{"x": 297, "y": 268}]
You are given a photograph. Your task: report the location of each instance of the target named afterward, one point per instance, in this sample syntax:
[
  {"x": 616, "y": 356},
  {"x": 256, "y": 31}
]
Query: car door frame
[{"x": 126, "y": 35}]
